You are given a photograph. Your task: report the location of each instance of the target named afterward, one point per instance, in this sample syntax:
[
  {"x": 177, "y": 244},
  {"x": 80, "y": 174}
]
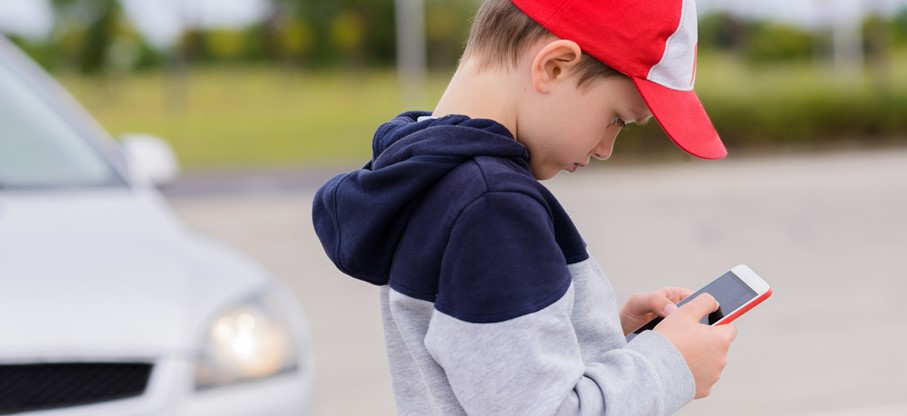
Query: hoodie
[{"x": 490, "y": 301}]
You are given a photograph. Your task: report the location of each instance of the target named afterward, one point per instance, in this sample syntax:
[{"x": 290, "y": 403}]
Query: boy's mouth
[{"x": 575, "y": 167}]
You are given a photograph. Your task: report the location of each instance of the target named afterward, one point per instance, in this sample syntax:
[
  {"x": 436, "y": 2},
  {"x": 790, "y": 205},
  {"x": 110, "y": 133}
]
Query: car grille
[{"x": 26, "y": 387}]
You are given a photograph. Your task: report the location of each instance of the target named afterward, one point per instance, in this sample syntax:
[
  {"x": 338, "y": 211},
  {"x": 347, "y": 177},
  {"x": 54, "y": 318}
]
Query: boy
[{"x": 491, "y": 304}]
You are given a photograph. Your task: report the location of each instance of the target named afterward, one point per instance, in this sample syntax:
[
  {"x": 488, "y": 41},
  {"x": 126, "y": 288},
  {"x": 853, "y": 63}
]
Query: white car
[{"x": 108, "y": 304}]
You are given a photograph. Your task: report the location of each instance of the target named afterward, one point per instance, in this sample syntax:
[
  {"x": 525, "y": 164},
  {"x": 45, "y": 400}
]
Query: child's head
[
  {"x": 501, "y": 34},
  {"x": 592, "y": 66}
]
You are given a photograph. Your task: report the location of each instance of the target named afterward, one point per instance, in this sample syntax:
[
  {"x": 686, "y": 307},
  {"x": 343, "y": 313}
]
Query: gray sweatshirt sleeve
[{"x": 531, "y": 365}]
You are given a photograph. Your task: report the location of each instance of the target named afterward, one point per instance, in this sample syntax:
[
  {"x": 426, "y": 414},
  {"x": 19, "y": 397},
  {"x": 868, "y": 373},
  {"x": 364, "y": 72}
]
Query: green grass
[
  {"x": 268, "y": 116},
  {"x": 251, "y": 116}
]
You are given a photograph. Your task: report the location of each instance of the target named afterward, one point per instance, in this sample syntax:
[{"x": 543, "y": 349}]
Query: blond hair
[{"x": 501, "y": 33}]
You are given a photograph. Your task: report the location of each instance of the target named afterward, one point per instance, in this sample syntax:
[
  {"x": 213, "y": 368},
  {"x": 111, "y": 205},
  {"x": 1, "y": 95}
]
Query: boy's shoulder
[
  {"x": 485, "y": 175},
  {"x": 481, "y": 193}
]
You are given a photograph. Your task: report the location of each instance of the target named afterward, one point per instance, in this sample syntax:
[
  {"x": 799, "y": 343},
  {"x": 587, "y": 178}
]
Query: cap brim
[{"x": 682, "y": 117}]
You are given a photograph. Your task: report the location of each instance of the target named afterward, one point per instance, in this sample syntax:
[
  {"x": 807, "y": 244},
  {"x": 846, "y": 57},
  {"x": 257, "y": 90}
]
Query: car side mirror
[{"x": 150, "y": 159}]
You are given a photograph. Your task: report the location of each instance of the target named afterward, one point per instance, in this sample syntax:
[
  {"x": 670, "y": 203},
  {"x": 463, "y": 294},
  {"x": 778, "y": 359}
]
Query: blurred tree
[
  {"x": 292, "y": 34},
  {"x": 379, "y": 24},
  {"x": 219, "y": 45},
  {"x": 346, "y": 33},
  {"x": 899, "y": 28},
  {"x": 41, "y": 51},
  {"x": 293, "y": 21},
  {"x": 295, "y": 38},
  {"x": 285, "y": 38},
  {"x": 256, "y": 46},
  {"x": 99, "y": 34},
  {"x": 774, "y": 42},
  {"x": 328, "y": 33},
  {"x": 877, "y": 46},
  {"x": 356, "y": 32},
  {"x": 95, "y": 36},
  {"x": 447, "y": 28},
  {"x": 192, "y": 45},
  {"x": 723, "y": 31},
  {"x": 224, "y": 44}
]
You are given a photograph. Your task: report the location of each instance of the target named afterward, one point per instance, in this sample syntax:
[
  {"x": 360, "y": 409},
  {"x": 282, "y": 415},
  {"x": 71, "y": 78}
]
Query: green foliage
[
  {"x": 347, "y": 31},
  {"x": 293, "y": 39},
  {"x": 226, "y": 43},
  {"x": 94, "y": 37},
  {"x": 775, "y": 42},
  {"x": 899, "y": 28},
  {"x": 193, "y": 45},
  {"x": 326, "y": 33},
  {"x": 42, "y": 52},
  {"x": 354, "y": 33},
  {"x": 760, "y": 42},
  {"x": 361, "y": 33},
  {"x": 722, "y": 31},
  {"x": 447, "y": 28},
  {"x": 99, "y": 35}
]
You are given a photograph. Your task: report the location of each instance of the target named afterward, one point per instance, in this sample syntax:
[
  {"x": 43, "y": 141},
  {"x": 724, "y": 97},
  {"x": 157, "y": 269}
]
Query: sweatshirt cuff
[{"x": 678, "y": 386}]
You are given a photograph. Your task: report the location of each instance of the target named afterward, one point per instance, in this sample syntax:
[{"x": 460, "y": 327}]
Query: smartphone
[{"x": 736, "y": 291}]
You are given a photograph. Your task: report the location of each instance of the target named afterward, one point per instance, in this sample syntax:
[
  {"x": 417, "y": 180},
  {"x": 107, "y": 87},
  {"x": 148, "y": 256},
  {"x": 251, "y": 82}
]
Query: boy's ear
[{"x": 554, "y": 62}]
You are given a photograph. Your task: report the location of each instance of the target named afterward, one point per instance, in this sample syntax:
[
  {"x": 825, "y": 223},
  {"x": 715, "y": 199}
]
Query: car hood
[{"x": 89, "y": 272}]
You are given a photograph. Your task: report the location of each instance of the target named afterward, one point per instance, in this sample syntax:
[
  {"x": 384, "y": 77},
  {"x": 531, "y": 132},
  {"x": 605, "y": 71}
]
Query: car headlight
[{"x": 248, "y": 342}]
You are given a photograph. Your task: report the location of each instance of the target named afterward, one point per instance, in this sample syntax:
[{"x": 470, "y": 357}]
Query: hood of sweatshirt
[{"x": 360, "y": 216}]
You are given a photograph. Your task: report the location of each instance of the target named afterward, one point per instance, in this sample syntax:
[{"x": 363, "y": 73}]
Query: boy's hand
[
  {"x": 644, "y": 307},
  {"x": 703, "y": 347}
]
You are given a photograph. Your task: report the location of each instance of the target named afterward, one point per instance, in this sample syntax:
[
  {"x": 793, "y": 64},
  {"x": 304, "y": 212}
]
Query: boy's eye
[{"x": 620, "y": 122}]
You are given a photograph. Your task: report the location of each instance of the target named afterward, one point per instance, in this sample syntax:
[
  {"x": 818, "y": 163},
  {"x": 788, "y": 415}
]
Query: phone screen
[{"x": 730, "y": 292}]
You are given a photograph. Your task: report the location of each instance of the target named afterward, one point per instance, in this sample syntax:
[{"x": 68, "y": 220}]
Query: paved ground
[{"x": 828, "y": 232}]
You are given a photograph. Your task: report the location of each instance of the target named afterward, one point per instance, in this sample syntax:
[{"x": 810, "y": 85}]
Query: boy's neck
[{"x": 488, "y": 94}]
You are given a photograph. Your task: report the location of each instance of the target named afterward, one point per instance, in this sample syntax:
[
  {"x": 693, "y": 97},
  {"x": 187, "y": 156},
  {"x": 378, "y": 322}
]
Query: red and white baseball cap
[{"x": 654, "y": 43}]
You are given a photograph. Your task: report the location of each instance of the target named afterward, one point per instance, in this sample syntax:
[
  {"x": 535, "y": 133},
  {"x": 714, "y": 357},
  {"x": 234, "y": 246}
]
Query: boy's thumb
[{"x": 701, "y": 306}]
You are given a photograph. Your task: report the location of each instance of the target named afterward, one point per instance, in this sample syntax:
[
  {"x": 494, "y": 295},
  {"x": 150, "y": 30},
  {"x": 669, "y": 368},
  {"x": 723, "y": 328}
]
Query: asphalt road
[{"x": 829, "y": 232}]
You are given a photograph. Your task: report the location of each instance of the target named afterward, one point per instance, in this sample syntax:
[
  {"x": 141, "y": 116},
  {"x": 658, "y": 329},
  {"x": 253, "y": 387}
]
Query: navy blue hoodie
[{"x": 491, "y": 304}]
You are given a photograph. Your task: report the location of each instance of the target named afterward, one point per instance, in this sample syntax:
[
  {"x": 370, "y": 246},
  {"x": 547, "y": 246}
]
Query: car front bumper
[{"x": 171, "y": 391}]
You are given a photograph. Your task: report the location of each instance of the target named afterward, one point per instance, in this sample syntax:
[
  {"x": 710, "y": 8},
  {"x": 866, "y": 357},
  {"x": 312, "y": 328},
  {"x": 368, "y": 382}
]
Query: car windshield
[{"x": 38, "y": 146}]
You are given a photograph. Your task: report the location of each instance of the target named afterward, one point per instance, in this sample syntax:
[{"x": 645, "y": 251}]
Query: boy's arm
[{"x": 502, "y": 326}]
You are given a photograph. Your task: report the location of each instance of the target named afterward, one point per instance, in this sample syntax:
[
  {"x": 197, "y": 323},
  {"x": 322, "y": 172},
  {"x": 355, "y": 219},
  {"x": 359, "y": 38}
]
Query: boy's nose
[
  {"x": 605, "y": 146},
  {"x": 603, "y": 154}
]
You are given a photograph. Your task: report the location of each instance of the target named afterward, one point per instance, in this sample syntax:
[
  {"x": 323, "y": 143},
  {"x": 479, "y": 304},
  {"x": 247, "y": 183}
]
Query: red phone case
[{"x": 730, "y": 318}]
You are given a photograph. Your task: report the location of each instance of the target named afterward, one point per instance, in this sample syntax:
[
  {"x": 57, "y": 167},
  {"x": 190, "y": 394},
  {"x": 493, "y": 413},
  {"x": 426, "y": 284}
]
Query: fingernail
[{"x": 670, "y": 308}]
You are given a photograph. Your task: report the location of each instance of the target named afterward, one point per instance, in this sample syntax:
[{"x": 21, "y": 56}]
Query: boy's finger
[
  {"x": 668, "y": 309},
  {"x": 660, "y": 304},
  {"x": 702, "y": 305},
  {"x": 676, "y": 294},
  {"x": 684, "y": 292},
  {"x": 654, "y": 302}
]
